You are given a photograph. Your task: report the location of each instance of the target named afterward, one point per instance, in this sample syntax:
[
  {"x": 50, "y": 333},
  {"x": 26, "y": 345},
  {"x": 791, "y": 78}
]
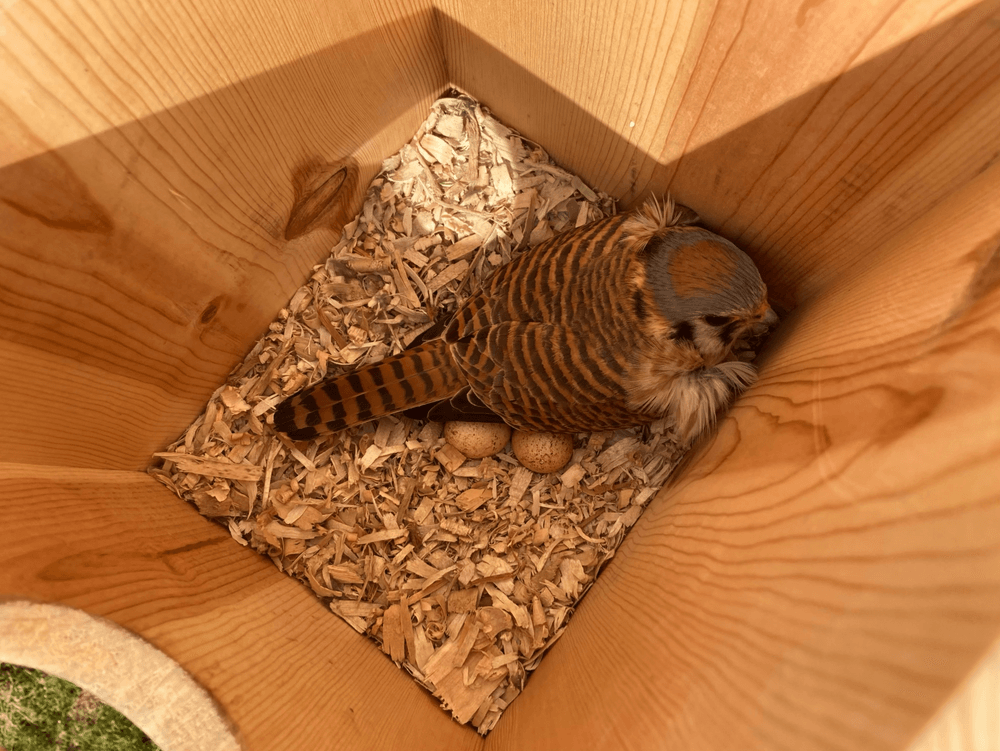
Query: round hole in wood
[{"x": 119, "y": 668}]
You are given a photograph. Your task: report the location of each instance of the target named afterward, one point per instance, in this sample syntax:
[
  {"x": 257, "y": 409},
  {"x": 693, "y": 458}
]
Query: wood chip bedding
[{"x": 464, "y": 571}]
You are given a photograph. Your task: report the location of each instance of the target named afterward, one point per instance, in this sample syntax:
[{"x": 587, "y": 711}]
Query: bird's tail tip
[
  {"x": 420, "y": 375},
  {"x": 284, "y": 421}
]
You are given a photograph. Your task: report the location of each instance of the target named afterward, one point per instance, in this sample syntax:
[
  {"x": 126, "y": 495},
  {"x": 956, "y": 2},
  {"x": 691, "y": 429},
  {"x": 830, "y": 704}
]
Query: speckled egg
[
  {"x": 477, "y": 439},
  {"x": 542, "y": 452}
]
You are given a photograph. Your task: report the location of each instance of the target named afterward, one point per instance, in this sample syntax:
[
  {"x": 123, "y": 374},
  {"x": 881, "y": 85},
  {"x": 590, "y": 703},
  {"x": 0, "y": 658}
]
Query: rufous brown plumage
[{"x": 613, "y": 324}]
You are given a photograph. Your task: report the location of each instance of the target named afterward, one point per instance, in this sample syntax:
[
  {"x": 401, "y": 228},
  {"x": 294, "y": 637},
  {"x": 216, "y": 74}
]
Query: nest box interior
[{"x": 822, "y": 572}]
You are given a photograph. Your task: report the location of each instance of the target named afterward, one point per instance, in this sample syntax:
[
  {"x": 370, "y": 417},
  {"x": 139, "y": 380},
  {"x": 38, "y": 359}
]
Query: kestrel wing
[
  {"x": 464, "y": 405},
  {"x": 546, "y": 377}
]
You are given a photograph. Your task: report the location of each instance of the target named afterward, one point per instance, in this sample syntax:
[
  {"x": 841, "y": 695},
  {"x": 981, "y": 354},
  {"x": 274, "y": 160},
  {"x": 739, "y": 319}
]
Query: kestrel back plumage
[{"x": 613, "y": 324}]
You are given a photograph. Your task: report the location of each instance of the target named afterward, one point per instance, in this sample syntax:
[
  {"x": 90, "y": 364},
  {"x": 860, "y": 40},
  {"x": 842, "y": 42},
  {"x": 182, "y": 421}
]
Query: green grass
[{"x": 39, "y": 712}]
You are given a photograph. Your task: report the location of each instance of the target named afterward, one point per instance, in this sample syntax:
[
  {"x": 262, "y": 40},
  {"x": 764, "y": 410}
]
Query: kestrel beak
[{"x": 765, "y": 324}]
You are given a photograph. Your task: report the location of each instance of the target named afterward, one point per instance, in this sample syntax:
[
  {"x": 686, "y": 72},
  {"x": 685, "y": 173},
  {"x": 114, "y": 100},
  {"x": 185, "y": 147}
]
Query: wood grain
[
  {"x": 822, "y": 574},
  {"x": 147, "y": 172},
  {"x": 970, "y": 721},
  {"x": 788, "y": 146},
  {"x": 826, "y": 570},
  {"x": 288, "y": 673},
  {"x": 170, "y": 170}
]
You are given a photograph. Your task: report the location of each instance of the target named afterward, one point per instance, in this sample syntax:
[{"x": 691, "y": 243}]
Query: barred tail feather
[{"x": 420, "y": 375}]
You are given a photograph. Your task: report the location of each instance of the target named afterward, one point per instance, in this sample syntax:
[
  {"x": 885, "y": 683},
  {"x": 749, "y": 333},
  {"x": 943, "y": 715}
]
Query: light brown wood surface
[
  {"x": 288, "y": 673},
  {"x": 823, "y": 574},
  {"x": 826, "y": 570},
  {"x": 154, "y": 187},
  {"x": 970, "y": 720},
  {"x": 787, "y": 125},
  {"x": 147, "y": 170}
]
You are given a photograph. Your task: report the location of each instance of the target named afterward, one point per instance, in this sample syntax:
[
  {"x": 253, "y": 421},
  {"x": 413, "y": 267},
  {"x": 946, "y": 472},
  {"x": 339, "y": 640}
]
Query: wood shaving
[{"x": 464, "y": 571}]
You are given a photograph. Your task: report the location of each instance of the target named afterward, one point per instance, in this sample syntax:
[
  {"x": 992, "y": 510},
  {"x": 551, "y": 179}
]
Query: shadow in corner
[
  {"x": 153, "y": 254},
  {"x": 182, "y": 214},
  {"x": 781, "y": 181}
]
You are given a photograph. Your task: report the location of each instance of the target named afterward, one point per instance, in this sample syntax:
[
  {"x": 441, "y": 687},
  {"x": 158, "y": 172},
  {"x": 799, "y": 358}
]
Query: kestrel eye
[{"x": 717, "y": 320}]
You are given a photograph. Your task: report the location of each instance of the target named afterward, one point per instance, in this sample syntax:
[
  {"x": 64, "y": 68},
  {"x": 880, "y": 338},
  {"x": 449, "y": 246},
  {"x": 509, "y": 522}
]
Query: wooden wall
[
  {"x": 969, "y": 720},
  {"x": 798, "y": 129},
  {"x": 147, "y": 171},
  {"x": 287, "y": 672},
  {"x": 824, "y": 571},
  {"x": 827, "y": 568}
]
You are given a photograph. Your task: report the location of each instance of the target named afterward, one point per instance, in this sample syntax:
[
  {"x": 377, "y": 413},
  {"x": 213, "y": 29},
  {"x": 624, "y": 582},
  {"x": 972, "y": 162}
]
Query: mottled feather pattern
[
  {"x": 678, "y": 385},
  {"x": 613, "y": 324}
]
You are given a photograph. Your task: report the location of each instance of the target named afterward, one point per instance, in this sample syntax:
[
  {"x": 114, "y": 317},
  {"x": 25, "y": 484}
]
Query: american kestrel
[{"x": 620, "y": 322}]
